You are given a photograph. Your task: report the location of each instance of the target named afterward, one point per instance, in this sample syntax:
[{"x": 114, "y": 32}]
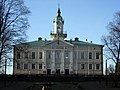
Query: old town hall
[{"x": 58, "y": 56}]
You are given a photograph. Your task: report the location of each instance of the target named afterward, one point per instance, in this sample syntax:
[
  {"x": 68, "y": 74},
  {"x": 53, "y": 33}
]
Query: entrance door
[
  {"x": 57, "y": 71},
  {"x": 48, "y": 71},
  {"x": 66, "y": 71}
]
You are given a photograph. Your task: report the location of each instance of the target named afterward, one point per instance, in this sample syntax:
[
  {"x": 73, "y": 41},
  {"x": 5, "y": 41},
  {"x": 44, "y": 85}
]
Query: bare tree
[
  {"x": 13, "y": 26},
  {"x": 112, "y": 41}
]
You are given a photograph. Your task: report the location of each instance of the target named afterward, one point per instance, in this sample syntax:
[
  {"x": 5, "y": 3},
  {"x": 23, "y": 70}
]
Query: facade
[{"x": 58, "y": 56}]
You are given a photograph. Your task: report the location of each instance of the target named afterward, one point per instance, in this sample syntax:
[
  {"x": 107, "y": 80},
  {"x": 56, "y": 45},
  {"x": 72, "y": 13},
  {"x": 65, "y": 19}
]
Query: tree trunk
[{"x": 115, "y": 75}]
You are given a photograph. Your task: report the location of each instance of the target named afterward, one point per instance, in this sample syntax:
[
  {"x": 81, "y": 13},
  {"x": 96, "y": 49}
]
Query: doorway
[
  {"x": 48, "y": 71},
  {"x": 66, "y": 71},
  {"x": 57, "y": 71}
]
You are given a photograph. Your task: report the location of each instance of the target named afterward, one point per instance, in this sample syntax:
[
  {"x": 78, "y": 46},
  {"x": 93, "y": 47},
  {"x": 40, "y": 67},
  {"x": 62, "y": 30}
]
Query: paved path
[{"x": 92, "y": 85}]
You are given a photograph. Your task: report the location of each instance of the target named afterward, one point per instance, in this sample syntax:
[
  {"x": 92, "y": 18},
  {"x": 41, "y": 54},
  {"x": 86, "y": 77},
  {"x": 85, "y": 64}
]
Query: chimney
[
  {"x": 76, "y": 39},
  {"x": 39, "y": 39}
]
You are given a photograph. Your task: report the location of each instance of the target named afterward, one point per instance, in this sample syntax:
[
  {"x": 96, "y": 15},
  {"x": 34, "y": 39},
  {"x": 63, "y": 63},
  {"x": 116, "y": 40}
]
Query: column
[
  {"x": 62, "y": 62},
  {"x": 44, "y": 61},
  {"x": 77, "y": 58},
  {"x": 88, "y": 60},
  {"x": 53, "y": 62},
  {"x": 71, "y": 62}
]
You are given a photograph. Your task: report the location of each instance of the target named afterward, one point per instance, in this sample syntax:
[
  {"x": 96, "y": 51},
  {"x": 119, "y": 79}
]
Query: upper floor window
[
  {"x": 82, "y": 55},
  {"x": 90, "y": 66},
  {"x": 33, "y": 66},
  {"x": 49, "y": 55},
  {"x": 90, "y": 55},
  {"x": 40, "y": 55},
  {"x": 33, "y": 55},
  {"x": 26, "y": 55},
  {"x": 26, "y": 66},
  {"x": 18, "y": 65},
  {"x": 18, "y": 55},
  {"x": 97, "y": 55},
  {"x": 58, "y": 54},
  {"x": 66, "y": 55}
]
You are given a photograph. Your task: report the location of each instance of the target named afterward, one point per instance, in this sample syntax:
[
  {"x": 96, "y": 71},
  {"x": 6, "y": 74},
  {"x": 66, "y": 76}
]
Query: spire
[
  {"x": 58, "y": 32},
  {"x": 59, "y": 12}
]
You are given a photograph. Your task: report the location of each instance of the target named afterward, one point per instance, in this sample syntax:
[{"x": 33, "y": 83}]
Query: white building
[{"x": 58, "y": 56}]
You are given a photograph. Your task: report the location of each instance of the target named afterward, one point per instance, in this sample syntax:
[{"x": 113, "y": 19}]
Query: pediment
[{"x": 57, "y": 43}]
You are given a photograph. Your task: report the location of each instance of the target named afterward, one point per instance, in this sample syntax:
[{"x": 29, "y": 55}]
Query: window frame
[
  {"x": 97, "y": 55},
  {"x": 57, "y": 56},
  {"x": 82, "y": 55},
  {"x": 26, "y": 55},
  {"x": 33, "y": 65},
  {"x": 90, "y": 66},
  {"x": 90, "y": 55},
  {"x": 40, "y": 55},
  {"x": 33, "y": 55},
  {"x": 40, "y": 66},
  {"x": 67, "y": 55},
  {"x": 18, "y": 66},
  {"x": 96, "y": 67},
  {"x": 25, "y": 66}
]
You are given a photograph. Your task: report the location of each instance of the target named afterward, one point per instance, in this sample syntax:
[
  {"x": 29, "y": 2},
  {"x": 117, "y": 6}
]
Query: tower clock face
[
  {"x": 58, "y": 29},
  {"x": 58, "y": 22}
]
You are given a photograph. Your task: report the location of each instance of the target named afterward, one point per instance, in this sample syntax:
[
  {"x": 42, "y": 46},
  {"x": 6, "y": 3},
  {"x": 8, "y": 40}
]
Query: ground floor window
[
  {"x": 40, "y": 66},
  {"x": 90, "y": 66},
  {"x": 18, "y": 65},
  {"x": 33, "y": 66},
  {"x": 97, "y": 66},
  {"x": 25, "y": 66}
]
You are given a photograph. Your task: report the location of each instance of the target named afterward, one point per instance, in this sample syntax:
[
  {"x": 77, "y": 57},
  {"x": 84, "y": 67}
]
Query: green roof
[
  {"x": 46, "y": 42},
  {"x": 38, "y": 43},
  {"x": 77, "y": 42}
]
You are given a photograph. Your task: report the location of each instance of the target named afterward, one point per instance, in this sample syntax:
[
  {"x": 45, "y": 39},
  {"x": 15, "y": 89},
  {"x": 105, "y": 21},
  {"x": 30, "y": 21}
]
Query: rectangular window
[
  {"x": 49, "y": 55},
  {"x": 82, "y": 55},
  {"x": 82, "y": 66},
  {"x": 97, "y": 55},
  {"x": 33, "y": 66},
  {"x": 40, "y": 66},
  {"x": 97, "y": 66},
  {"x": 25, "y": 66},
  {"x": 18, "y": 55},
  {"x": 18, "y": 65},
  {"x": 90, "y": 55},
  {"x": 90, "y": 66},
  {"x": 40, "y": 55},
  {"x": 33, "y": 55},
  {"x": 58, "y": 54},
  {"x": 66, "y": 55},
  {"x": 75, "y": 55},
  {"x": 26, "y": 55}
]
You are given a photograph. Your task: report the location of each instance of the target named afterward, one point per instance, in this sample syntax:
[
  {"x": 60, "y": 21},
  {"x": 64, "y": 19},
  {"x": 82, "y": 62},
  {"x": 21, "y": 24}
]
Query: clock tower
[{"x": 58, "y": 32}]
